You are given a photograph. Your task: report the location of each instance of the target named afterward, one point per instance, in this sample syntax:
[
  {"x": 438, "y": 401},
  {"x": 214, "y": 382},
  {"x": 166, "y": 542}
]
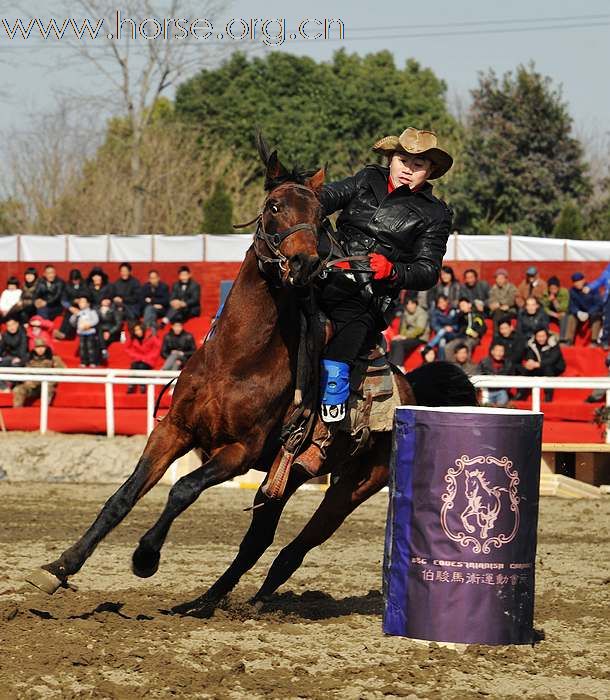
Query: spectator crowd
[
  {"x": 530, "y": 322},
  {"x": 95, "y": 311}
]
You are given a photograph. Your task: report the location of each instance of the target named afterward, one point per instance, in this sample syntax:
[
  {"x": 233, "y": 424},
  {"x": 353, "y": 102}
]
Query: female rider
[{"x": 391, "y": 218}]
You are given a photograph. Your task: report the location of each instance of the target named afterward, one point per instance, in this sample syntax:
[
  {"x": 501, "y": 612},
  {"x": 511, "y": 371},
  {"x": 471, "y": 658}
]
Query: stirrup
[{"x": 334, "y": 385}]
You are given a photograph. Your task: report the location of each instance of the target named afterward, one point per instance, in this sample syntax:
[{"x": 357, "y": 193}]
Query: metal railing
[
  {"x": 152, "y": 378},
  {"x": 107, "y": 377}
]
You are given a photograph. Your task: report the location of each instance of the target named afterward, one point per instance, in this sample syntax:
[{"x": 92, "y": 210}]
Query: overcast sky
[{"x": 575, "y": 56}]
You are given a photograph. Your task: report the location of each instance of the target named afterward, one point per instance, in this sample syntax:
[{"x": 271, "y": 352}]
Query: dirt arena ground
[{"x": 320, "y": 638}]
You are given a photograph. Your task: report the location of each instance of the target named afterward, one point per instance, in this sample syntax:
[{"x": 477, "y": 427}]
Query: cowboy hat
[{"x": 417, "y": 142}]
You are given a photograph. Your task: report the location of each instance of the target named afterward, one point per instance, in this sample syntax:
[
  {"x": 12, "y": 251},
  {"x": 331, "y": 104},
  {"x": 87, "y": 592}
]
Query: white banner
[
  {"x": 42, "y": 248},
  {"x": 529, "y": 248},
  {"x": 481, "y": 248},
  {"x": 228, "y": 248},
  {"x": 589, "y": 250},
  {"x": 9, "y": 251},
  {"x": 88, "y": 248},
  {"x": 178, "y": 248},
  {"x": 131, "y": 248}
]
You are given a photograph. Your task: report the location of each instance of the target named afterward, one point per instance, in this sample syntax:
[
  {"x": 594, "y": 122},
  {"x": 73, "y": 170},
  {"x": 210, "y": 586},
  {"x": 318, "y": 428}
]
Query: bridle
[{"x": 274, "y": 241}]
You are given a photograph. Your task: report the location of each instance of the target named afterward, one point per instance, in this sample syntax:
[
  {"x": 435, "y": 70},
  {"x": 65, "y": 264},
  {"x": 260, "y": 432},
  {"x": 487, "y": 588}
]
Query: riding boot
[{"x": 314, "y": 456}]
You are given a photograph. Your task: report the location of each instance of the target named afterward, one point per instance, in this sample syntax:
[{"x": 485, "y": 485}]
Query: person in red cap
[{"x": 392, "y": 221}]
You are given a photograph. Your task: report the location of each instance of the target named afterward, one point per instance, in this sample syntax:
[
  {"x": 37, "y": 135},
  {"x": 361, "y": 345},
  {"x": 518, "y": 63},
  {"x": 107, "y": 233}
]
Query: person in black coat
[
  {"x": 185, "y": 300},
  {"x": 109, "y": 326},
  {"x": 513, "y": 341},
  {"x": 155, "y": 294},
  {"x": 530, "y": 317},
  {"x": 73, "y": 291},
  {"x": 127, "y": 293},
  {"x": 543, "y": 358},
  {"x": 13, "y": 347},
  {"x": 178, "y": 346},
  {"x": 390, "y": 216},
  {"x": 49, "y": 293},
  {"x": 97, "y": 284}
]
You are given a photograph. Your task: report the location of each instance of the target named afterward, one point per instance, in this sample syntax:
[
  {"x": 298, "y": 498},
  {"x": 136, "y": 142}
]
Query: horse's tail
[{"x": 442, "y": 384}]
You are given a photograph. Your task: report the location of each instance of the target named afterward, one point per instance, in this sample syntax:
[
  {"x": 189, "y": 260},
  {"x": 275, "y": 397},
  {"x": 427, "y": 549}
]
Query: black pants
[
  {"x": 402, "y": 348},
  {"x": 355, "y": 315},
  {"x": 89, "y": 349}
]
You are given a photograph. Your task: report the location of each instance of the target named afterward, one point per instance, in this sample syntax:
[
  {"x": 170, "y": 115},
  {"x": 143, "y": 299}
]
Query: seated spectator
[
  {"x": 97, "y": 284},
  {"x": 448, "y": 286},
  {"x": 513, "y": 342},
  {"x": 40, "y": 357},
  {"x": 584, "y": 306},
  {"x": 603, "y": 281},
  {"x": 40, "y": 327},
  {"x": 73, "y": 291},
  {"x": 109, "y": 326},
  {"x": 502, "y": 297},
  {"x": 412, "y": 332},
  {"x": 428, "y": 355},
  {"x": 25, "y": 306},
  {"x": 144, "y": 349},
  {"x": 555, "y": 303},
  {"x": 476, "y": 290},
  {"x": 9, "y": 299},
  {"x": 543, "y": 358},
  {"x": 178, "y": 347},
  {"x": 496, "y": 364},
  {"x": 85, "y": 321},
  {"x": 155, "y": 294},
  {"x": 185, "y": 301},
  {"x": 470, "y": 329},
  {"x": 443, "y": 321},
  {"x": 127, "y": 293},
  {"x": 49, "y": 293},
  {"x": 13, "y": 347},
  {"x": 530, "y": 317},
  {"x": 532, "y": 286},
  {"x": 461, "y": 358}
]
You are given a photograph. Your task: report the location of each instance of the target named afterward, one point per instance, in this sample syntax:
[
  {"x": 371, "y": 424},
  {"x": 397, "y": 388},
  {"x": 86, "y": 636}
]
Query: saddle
[{"x": 373, "y": 397}]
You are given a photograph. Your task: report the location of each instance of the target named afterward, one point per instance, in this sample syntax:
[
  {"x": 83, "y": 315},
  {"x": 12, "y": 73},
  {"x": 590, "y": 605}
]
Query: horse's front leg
[
  {"x": 166, "y": 443},
  {"x": 260, "y": 535},
  {"x": 227, "y": 462},
  {"x": 359, "y": 480},
  {"x": 467, "y": 513}
]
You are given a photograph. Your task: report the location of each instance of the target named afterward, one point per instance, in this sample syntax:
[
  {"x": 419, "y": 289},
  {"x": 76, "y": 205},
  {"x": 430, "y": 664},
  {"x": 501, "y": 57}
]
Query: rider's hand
[{"x": 381, "y": 266}]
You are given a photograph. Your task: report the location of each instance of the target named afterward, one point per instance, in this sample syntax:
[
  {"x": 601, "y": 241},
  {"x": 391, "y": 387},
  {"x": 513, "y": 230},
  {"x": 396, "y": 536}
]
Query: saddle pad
[{"x": 381, "y": 418}]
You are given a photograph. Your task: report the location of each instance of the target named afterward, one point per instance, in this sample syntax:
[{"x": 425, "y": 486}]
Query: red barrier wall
[{"x": 211, "y": 274}]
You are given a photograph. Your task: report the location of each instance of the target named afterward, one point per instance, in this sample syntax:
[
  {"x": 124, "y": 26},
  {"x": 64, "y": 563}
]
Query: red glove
[
  {"x": 381, "y": 266},
  {"x": 343, "y": 265}
]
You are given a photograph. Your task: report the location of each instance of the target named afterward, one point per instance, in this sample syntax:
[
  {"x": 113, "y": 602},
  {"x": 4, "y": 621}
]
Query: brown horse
[{"x": 232, "y": 398}]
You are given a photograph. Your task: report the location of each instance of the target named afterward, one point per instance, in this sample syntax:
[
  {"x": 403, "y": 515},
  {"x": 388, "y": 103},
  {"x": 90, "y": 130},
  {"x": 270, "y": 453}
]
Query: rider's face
[{"x": 409, "y": 170}]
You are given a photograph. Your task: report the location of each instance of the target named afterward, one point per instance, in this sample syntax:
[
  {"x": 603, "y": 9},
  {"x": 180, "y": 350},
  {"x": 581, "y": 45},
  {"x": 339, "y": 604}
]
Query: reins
[{"x": 275, "y": 240}]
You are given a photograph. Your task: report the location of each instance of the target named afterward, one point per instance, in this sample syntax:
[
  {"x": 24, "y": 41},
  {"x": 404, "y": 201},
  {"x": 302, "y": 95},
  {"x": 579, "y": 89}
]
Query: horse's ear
[
  {"x": 316, "y": 181},
  {"x": 262, "y": 147},
  {"x": 274, "y": 170}
]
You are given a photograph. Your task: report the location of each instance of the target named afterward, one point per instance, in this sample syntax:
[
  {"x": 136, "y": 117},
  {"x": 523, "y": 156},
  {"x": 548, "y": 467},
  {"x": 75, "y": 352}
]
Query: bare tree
[{"x": 138, "y": 71}]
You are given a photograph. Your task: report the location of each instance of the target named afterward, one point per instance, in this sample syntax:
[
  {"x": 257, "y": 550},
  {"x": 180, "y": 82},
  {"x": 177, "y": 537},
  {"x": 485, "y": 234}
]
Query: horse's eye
[{"x": 274, "y": 208}]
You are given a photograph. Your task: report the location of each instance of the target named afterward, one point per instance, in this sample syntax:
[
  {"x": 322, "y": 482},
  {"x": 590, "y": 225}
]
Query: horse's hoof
[
  {"x": 145, "y": 562},
  {"x": 44, "y": 580}
]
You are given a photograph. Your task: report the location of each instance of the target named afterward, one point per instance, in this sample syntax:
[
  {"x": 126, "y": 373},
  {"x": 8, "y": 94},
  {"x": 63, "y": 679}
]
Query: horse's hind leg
[
  {"x": 257, "y": 539},
  {"x": 225, "y": 463},
  {"x": 166, "y": 443},
  {"x": 358, "y": 482}
]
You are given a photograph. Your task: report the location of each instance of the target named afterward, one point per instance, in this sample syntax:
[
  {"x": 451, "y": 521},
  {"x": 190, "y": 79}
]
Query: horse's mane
[
  {"x": 296, "y": 174},
  {"x": 478, "y": 473}
]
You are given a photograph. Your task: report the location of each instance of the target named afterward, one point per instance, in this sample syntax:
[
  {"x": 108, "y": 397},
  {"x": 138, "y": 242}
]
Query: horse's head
[
  {"x": 472, "y": 481},
  {"x": 289, "y": 221}
]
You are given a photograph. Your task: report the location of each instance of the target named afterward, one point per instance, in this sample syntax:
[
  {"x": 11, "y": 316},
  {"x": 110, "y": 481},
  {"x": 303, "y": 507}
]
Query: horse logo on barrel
[{"x": 482, "y": 504}]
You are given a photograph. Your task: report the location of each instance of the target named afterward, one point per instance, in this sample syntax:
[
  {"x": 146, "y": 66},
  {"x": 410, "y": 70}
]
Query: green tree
[
  {"x": 569, "y": 223},
  {"x": 520, "y": 163},
  {"x": 218, "y": 211},
  {"x": 314, "y": 112}
]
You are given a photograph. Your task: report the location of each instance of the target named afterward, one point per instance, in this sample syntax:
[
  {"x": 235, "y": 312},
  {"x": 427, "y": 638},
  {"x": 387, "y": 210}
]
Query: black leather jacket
[{"x": 410, "y": 228}]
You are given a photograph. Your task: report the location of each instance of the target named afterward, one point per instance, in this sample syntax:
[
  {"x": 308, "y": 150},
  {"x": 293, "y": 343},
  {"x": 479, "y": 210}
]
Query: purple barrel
[{"x": 460, "y": 544}]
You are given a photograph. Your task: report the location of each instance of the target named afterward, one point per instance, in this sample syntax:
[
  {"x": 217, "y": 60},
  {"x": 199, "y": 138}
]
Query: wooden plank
[{"x": 575, "y": 447}]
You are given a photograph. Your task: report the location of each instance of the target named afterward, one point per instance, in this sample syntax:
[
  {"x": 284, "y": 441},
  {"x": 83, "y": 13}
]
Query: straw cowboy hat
[{"x": 417, "y": 142}]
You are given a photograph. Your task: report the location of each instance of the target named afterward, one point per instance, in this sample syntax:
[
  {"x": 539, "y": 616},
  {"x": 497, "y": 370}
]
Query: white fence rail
[{"x": 152, "y": 378}]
